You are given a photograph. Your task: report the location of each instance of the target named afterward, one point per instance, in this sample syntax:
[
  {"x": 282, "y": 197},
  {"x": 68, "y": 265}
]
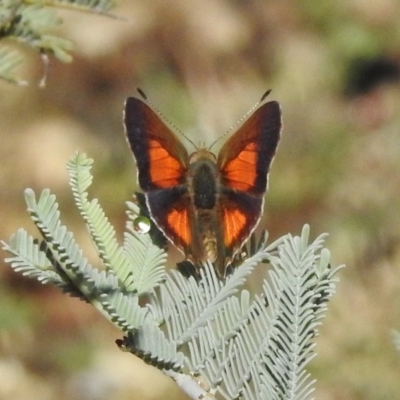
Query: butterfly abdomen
[{"x": 204, "y": 188}]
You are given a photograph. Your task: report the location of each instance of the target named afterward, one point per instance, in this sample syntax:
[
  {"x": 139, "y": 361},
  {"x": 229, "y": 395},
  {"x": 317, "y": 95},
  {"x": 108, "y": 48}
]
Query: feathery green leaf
[
  {"x": 100, "y": 229},
  {"x": 31, "y": 23},
  {"x": 250, "y": 346}
]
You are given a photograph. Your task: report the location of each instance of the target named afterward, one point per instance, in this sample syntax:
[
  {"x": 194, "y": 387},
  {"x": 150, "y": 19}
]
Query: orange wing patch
[
  {"x": 233, "y": 221},
  {"x": 165, "y": 170},
  {"x": 241, "y": 172},
  {"x": 178, "y": 223}
]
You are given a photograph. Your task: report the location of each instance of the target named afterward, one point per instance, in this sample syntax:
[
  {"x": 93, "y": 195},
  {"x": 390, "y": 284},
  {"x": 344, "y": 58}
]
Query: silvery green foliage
[
  {"x": 242, "y": 345},
  {"x": 31, "y": 23}
]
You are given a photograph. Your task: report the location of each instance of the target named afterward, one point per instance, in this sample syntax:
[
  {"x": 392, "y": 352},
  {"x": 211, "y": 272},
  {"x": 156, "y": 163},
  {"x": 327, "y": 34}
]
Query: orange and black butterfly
[{"x": 206, "y": 205}]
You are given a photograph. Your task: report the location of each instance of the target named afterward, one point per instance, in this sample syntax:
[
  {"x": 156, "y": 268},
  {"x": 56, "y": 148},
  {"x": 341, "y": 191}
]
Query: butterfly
[{"x": 206, "y": 205}]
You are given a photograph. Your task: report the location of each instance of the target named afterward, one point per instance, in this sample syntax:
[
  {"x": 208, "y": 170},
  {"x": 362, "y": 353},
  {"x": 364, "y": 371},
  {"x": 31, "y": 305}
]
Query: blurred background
[{"x": 334, "y": 66}]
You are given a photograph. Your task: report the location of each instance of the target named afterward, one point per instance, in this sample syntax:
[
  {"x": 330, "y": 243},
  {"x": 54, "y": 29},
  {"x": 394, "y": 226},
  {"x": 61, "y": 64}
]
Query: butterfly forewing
[
  {"x": 161, "y": 158},
  {"x": 245, "y": 158}
]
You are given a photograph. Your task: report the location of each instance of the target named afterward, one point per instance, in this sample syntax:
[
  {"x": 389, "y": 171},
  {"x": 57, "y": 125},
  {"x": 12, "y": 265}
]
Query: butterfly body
[{"x": 206, "y": 205}]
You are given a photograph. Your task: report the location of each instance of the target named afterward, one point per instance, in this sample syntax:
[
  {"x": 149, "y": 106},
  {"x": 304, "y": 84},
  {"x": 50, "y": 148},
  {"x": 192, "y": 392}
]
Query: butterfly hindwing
[
  {"x": 170, "y": 209},
  {"x": 240, "y": 214}
]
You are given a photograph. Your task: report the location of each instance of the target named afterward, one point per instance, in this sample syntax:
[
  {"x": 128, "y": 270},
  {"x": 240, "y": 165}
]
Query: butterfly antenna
[
  {"x": 245, "y": 116},
  {"x": 144, "y": 97},
  {"x": 265, "y": 95}
]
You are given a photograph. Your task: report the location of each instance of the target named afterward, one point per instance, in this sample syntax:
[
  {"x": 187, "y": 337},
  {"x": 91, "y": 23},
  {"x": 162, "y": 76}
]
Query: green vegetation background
[{"x": 204, "y": 64}]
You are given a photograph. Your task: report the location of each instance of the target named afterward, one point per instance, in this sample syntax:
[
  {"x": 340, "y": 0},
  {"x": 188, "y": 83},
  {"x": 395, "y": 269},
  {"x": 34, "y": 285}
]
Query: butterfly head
[{"x": 202, "y": 154}]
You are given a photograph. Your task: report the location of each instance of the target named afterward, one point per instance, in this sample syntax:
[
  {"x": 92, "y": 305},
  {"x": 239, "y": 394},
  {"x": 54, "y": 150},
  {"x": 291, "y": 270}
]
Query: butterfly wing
[
  {"x": 244, "y": 163},
  {"x": 162, "y": 163},
  {"x": 161, "y": 158}
]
